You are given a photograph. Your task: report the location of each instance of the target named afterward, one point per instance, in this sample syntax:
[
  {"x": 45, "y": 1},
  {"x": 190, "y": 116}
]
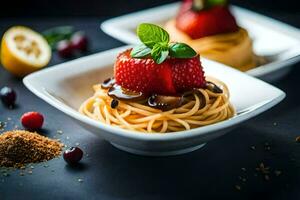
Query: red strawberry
[
  {"x": 172, "y": 76},
  {"x": 187, "y": 74},
  {"x": 206, "y": 22},
  {"x": 143, "y": 75}
]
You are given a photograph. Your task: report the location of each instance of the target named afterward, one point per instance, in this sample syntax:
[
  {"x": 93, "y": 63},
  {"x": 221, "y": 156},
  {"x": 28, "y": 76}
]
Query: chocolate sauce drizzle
[{"x": 161, "y": 102}]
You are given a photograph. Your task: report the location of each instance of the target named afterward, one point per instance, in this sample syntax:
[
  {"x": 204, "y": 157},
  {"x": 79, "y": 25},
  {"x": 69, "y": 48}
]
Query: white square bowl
[
  {"x": 66, "y": 86},
  {"x": 271, "y": 38}
]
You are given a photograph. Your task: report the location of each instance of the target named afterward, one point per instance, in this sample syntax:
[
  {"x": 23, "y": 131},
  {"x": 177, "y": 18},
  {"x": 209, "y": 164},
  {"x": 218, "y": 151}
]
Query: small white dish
[
  {"x": 270, "y": 37},
  {"x": 67, "y": 85}
]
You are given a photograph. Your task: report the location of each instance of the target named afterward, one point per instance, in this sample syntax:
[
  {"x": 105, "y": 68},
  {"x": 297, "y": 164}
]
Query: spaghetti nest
[
  {"x": 199, "y": 109},
  {"x": 233, "y": 49}
]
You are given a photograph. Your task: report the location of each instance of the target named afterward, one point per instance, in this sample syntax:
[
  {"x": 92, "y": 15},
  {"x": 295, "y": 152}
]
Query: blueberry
[{"x": 8, "y": 96}]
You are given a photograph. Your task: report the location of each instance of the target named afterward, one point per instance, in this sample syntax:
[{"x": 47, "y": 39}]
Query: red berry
[
  {"x": 143, "y": 75},
  {"x": 8, "y": 96},
  {"x": 79, "y": 41},
  {"x": 172, "y": 76},
  {"x": 32, "y": 120},
  {"x": 212, "y": 21},
  {"x": 65, "y": 49},
  {"x": 187, "y": 74},
  {"x": 73, "y": 155}
]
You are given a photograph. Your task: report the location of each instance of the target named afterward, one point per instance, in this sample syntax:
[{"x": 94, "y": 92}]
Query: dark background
[
  {"x": 58, "y": 8},
  {"x": 108, "y": 173}
]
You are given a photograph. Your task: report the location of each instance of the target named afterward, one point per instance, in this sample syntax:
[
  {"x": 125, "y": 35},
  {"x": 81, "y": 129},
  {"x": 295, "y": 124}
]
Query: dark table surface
[{"x": 213, "y": 172}]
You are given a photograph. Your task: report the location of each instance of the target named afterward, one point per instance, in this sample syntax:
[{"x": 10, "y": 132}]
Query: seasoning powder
[{"x": 18, "y": 148}]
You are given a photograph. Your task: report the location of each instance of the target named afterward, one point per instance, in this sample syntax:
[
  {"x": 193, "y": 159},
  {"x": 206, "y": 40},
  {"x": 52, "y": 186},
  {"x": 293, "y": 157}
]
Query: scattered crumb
[
  {"x": 80, "y": 180},
  {"x": 267, "y": 146},
  {"x": 278, "y": 172},
  {"x": 263, "y": 169},
  {"x": 5, "y": 174},
  {"x": 244, "y": 169},
  {"x": 253, "y": 147},
  {"x": 238, "y": 187},
  {"x": 29, "y": 172},
  {"x": 21, "y": 174},
  {"x": 2, "y": 125},
  {"x": 275, "y": 124},
  {"x": 59, "y": 132},
  {"x": 267, "y": 178},
  {"x": 77, "y": 144}
]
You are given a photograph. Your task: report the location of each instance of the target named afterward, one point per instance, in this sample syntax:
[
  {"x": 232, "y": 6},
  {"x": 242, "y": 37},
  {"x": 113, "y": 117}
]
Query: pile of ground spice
[{"x": 18, "y": 148}]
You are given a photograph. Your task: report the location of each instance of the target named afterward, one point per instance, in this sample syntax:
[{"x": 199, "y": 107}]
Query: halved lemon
[{"x": 24, "y": 51}]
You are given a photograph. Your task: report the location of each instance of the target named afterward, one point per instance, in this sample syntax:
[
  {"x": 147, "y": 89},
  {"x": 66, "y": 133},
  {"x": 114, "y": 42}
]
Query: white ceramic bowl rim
[{"x": 257, "y": 109}]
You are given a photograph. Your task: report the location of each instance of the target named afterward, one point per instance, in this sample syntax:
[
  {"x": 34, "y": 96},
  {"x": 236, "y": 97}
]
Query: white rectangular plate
[
  {"x": 67, "y": 85},
  {"x": 270, "y": 37}
]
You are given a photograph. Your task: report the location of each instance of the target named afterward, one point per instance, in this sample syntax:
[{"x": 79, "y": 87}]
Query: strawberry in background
[{"x": 201, "y": 18}]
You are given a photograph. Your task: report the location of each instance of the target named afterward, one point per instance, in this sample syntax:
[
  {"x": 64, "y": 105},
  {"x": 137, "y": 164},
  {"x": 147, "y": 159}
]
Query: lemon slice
[{"x": 24, "y": 51}]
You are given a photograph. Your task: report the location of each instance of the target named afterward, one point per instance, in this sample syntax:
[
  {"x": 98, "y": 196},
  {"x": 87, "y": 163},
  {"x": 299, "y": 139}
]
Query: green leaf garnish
[
  {"x": 181, "y": 50},
  {"x": 140, "y": 51},
  {"x": 159, "y": 53},
  {"x": 199, "y": 5},
  {"x": 151, "y": 34},
  {"x": 57, "y": 34},
  {"x": 212, "y": 3},
  {"x": 156, "y": 42}
]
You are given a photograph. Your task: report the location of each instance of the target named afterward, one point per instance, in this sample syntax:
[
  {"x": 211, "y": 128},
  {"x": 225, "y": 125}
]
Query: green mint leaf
[
  {"x": 199, "y": 5},
  {"x": 151, "y": 34},
  {"x": 211, "y": 3},
  {"x": 159, "y": 53},
  {"x": 181, "y": 50},
  {"x": 140, "y": 51},
  {"x": 56, "y": 34}
]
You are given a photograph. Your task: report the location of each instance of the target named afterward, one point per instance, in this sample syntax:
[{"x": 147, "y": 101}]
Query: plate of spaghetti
[
  {"x": 258, "y": 45},
  {"x": 156, "y": 98}
]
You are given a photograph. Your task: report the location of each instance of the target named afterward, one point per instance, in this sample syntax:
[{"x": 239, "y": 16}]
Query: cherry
[
  {"x": 73, "y": 155},
  {"x": 65, "y": 49},
  {"x": 8, "y": 96},
  {"x": 79, "y": 41}
]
